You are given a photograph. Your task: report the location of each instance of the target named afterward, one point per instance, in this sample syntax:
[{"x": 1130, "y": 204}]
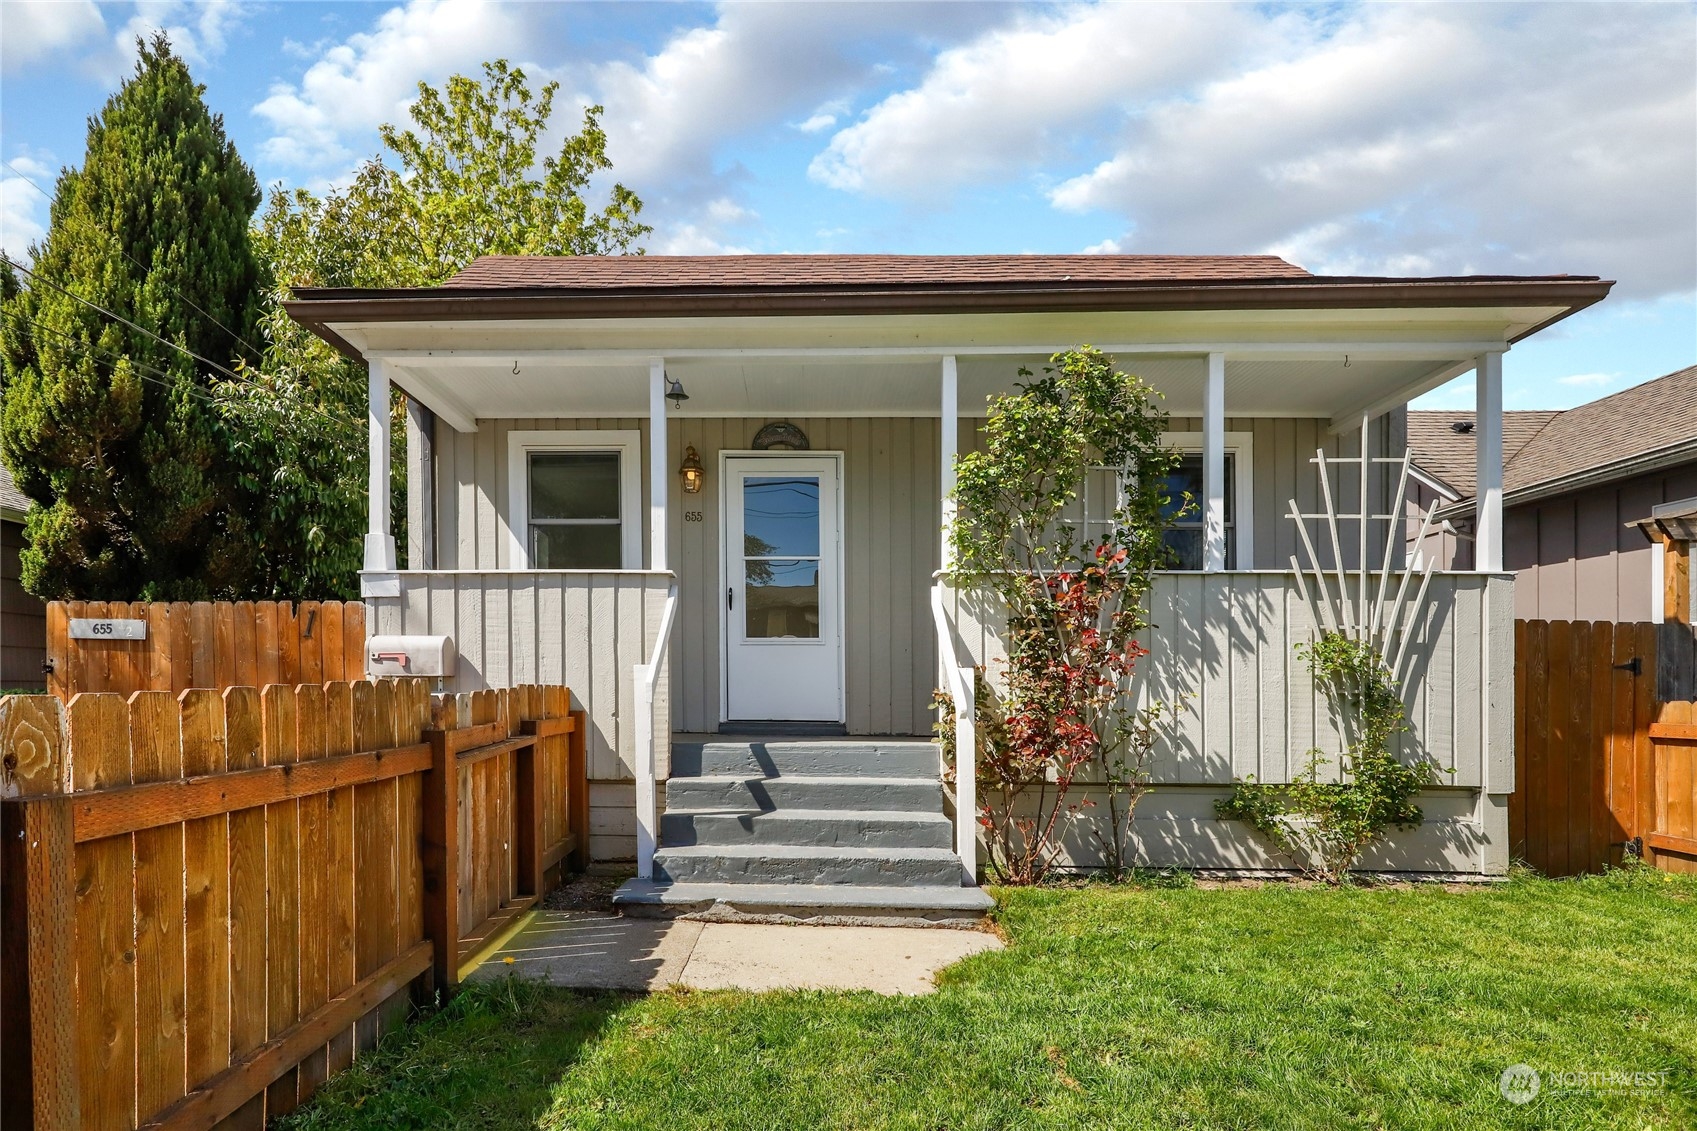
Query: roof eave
[{"x": 321, "y": 309}]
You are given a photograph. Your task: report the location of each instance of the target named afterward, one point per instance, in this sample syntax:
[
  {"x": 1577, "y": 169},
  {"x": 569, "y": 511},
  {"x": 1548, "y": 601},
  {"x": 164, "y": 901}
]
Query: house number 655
[{"x": 692, "y": 516}]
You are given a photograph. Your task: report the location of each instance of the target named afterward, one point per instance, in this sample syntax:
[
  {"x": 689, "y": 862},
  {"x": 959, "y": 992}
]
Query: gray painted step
[
  {"x": 756, "y": 758},
  {"x": 806, "y": 901},
  {"x": 841, "y": 828},
  {"x": 904, "y": 795},
  {"x": 792, "y": 864}
]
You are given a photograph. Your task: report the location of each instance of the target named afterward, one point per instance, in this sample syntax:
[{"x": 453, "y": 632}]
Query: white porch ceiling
[{"x": 881, "y": 386}]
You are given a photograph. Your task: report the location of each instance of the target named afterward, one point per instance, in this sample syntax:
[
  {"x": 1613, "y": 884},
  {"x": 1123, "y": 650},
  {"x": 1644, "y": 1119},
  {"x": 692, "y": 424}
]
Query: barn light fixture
[{"x": 691, "y": 472}]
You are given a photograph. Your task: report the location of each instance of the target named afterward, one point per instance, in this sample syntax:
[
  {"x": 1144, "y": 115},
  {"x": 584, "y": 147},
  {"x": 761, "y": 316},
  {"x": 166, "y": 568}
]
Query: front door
[{"x": 783, "y": 595}]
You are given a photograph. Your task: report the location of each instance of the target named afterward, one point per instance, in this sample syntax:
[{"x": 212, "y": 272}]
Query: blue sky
[{"x": 1353, "y": 139}]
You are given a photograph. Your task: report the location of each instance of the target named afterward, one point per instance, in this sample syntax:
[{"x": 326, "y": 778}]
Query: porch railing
[{"x": 1240, "y": 700}]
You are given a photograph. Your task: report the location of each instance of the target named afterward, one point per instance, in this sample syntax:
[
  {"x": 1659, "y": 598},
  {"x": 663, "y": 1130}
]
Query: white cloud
[
  {"x": 1435, "y": 140},
  {"x": 671, "y": 114},
  {"x": 1020, "y": 94},
  {"x": 23, "y": 203},
  {"x": 198, "y": 31},
  {"x": 1591, "y": 380},
  {"x": 31, "y": 31},
  {"x": 1374, "y": 139},
  {"x": 373, "y": 76}
]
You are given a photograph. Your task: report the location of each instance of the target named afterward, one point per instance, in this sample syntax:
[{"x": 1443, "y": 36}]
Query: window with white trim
[
  {"x": 574, "y": 500},
  {"x": 1101, "y": 495}
]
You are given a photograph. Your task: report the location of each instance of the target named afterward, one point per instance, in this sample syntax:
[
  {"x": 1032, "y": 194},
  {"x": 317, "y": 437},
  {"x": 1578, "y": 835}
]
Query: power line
[
  {"x": 140, "y": 329},
  {"x": 145, "y": 372},
  {"x": 258, "y": 354}
]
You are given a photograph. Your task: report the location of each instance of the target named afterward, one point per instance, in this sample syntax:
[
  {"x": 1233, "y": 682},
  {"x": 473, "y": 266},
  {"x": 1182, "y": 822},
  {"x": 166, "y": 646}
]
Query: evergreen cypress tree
[{"x": 112, "y": 433}]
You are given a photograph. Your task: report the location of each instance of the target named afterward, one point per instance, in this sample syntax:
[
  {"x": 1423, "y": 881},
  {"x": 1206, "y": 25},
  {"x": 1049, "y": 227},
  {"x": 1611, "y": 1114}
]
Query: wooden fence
[
  {"x": 215, "y": 644},
  {"x": 211, "y": 902},
  {"x": 1602, "y": 770}
]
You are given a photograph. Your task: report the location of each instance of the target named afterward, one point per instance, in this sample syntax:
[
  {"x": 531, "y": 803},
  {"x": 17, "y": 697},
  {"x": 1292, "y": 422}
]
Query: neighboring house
[
  {"x": 23, "y": 618},
  {"x": 1574, "y": 483},
  {"x": 572, "y": 506}
]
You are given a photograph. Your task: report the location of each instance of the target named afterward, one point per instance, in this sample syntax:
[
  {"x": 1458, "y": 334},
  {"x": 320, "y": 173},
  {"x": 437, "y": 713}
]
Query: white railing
[
  {"x": 962, "y": 687},
  {"x": 644, "y": 676}
]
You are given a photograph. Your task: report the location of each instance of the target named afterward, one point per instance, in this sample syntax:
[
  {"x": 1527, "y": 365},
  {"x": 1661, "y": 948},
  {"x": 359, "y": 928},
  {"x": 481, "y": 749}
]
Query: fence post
[
  {"x": 442, "y": 852},
  {"x": 577, "y": 789},
  {"x": 39, "y": 1086}
]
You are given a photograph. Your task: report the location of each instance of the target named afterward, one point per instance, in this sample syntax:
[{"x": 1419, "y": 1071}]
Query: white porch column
[
  {"x": 949, "y": 447},
  {"x": 1214, "y": 466},
  {"x": 659, "y": 475},
  {"x": 379, "y": 543},
  {"x": 1488, "y": 471}
]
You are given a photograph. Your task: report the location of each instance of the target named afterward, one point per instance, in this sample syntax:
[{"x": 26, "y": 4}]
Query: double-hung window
[
  {"x": 573, "y": 500},
  {"x": 1184, "y": 535}
]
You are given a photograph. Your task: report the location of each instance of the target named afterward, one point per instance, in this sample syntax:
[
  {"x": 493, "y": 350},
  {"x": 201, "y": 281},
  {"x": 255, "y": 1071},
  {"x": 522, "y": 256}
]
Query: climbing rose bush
[{"x": 1073, "y": 594}]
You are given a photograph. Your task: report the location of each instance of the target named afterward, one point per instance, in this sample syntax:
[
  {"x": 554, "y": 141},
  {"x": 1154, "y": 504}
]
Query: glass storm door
[{"x": 783, "y": 613}]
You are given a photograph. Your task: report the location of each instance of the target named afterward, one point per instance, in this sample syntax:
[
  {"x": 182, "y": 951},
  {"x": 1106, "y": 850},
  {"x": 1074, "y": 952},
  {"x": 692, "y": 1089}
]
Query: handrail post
[
  {"x": 966, "y": 773},
  {"x": 647, "y": 815},
  {"x": 645, "y": 676}
]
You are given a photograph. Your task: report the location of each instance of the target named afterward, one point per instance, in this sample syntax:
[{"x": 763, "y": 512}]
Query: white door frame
[{"x": 726, "y": 455}]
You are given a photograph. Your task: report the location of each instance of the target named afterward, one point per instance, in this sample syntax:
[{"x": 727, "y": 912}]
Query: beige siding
[
  {"x": 585, "y": 630},
  {"x": 1222, "y": 652},
  {"x": 891, "y": 537}
]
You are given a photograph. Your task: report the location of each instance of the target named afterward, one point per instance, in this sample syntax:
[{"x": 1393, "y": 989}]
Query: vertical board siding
[
  {"x": 583, "y": 629},
  {"x": 1240, "y": 701}
]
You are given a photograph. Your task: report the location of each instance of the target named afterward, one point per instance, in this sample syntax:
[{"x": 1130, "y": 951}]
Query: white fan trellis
[{"x": 1366, "y": 615}]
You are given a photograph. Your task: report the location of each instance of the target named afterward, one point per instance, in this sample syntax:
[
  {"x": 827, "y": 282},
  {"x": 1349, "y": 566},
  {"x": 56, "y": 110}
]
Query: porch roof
[{"x": 861, "y": 334}]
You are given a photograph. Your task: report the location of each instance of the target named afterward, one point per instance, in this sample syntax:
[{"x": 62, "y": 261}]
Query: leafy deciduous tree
[{"x": 469, "y": 182}]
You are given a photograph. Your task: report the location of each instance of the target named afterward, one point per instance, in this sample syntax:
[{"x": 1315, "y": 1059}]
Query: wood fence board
[
  {"x": 243, "y": 723},
  {"x": 353, "y": 641},
  {"x": 237, "y": 660},
  {"x": 1620, "y": 781},
  {"x": 1517, "y": 801},
  {"x": 156, "y": 744},
  {"x": 99, "y": 725},
  {"x": 1644, "y": 703},
  {"x": 341, "y": 962},
  {"x": 206, "y": 895},
  {"x": 313, "y": 856}
]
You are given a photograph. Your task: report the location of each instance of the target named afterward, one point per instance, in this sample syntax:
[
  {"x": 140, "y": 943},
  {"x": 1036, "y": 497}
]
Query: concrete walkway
[{"x": 598, "y": 950}]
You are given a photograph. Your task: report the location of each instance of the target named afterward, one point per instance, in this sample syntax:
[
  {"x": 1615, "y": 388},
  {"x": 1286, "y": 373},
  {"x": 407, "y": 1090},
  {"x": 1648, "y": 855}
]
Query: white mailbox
[{"x": 409, "y": 655}]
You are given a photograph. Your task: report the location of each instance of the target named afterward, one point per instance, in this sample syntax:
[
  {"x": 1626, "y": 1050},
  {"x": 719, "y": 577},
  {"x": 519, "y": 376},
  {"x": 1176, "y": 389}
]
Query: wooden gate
[{"x": 1601, "y": 769}]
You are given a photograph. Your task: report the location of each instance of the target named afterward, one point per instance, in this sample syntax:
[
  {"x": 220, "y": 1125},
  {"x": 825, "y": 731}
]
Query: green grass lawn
[{"x": 1273, "y": 1006}]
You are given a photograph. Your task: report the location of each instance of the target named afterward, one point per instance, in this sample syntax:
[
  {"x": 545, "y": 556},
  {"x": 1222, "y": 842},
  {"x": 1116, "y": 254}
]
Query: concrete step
[
  {"x": 732, "y": 792},
  {"x": 809, "y": 864},
  {"x": 896, "y": 758},
  {"x": 820, "y": 827},
  {"x": 954, "y": 906}
]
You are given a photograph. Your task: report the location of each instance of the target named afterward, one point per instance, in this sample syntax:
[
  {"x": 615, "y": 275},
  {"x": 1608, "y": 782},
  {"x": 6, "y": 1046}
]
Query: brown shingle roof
[
  {"x": 598, "y": 272},
  {"x": 1634, "y": 422},
  {"x": 1448, "y": 454},
  {"x": 1656, "y": 416}
]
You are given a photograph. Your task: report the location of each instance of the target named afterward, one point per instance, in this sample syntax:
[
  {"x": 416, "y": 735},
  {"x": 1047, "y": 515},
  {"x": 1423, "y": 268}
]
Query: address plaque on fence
[{"x": 87, "y": 628}]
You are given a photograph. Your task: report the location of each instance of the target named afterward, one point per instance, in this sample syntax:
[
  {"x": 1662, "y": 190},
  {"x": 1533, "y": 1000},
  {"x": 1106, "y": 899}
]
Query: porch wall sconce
[{"x": 691, "y": 473}]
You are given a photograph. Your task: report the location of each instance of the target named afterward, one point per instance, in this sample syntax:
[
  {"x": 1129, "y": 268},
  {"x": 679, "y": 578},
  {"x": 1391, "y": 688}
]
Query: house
[
  {"x": 1574, "y": 485},
  {"x": 23, "y": 618},
  {"x": 707, "y": 493}
]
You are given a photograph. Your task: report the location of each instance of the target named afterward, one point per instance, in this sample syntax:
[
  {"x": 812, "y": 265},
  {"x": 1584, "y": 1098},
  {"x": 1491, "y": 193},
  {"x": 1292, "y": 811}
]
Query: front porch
[{"x": 609, "y": 420}]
